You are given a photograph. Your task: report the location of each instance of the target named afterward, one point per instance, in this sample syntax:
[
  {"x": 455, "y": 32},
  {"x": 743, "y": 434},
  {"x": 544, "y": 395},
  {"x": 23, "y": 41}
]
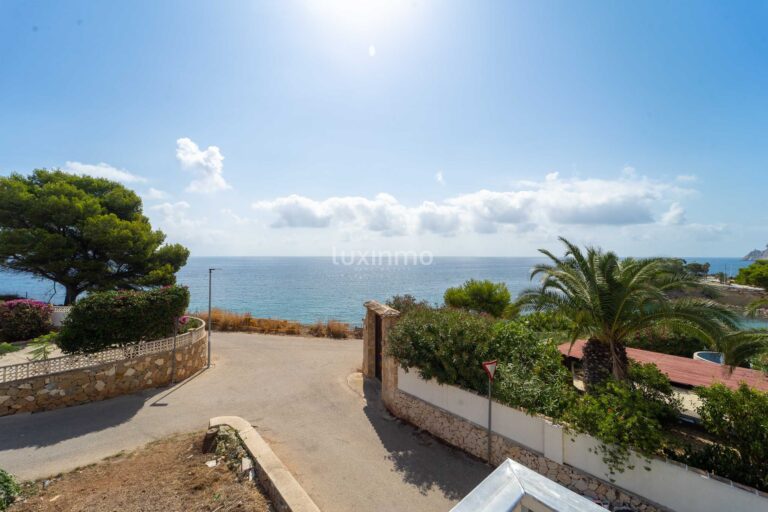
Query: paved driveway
[{"x": 343, "y": 448}]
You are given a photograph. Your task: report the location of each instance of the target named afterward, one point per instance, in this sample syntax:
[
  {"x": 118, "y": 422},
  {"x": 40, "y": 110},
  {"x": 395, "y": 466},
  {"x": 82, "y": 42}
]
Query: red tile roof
[{"x": 684, "y": 371}]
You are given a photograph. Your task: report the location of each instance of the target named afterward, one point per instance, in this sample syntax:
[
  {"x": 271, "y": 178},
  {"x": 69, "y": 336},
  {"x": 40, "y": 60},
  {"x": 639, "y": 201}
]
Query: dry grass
[
  {"x": 166, "y": 476},
  {"x": 230, "y": 321},
  {"x": 224, "y": 320},
  {"x": 329, "y": 329}
]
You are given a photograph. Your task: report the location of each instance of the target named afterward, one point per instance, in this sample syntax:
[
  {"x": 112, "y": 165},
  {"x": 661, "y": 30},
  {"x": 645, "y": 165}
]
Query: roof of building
[
  {"x": 512, "y": 487},
  {"x": 683, "y": 371}
]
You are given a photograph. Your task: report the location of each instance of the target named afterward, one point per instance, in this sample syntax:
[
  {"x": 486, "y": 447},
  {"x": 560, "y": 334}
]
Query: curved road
[{"x": 346, "y": 451}]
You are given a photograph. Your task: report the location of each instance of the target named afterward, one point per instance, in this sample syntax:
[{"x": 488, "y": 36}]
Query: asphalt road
[{"x": 329, "y": 429}]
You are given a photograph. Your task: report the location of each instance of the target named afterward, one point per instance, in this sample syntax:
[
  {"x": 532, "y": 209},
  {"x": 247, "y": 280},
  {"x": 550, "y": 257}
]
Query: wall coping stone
[
  {"x": 285, "y": 486},
  {"x": 381, "y": 309}
]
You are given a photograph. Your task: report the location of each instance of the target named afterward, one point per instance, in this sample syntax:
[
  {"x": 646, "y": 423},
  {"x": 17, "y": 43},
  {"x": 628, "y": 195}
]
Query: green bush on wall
[
  {"x": 445, "y": 344},
  {"x": 119, "y": 318},
  {"x": 531, "y": 375},
  {"x": 738, "y": 419}
]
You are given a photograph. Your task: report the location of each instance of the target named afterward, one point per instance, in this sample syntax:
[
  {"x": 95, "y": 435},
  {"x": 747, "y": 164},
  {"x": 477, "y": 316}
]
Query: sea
[{"x": 308, "y": 289}]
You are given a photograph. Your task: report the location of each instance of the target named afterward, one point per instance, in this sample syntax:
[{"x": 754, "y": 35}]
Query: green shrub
[
  {"x": 406, "y": 303},
  {"x": 627, "y": 416},
  {"x": 445, "y": 344},
  {"x": 530, "y": 374},
  {"x": 7, "y": 348},
  {"x": 479, "y": 296},
  {"x": 119, "y": 318},
  {"x": 22, "y": 319},
  {"x": 664, "y": 341},
  {"x": 739, "y": 421},
  {"x": 754, "y": 275},
  {"x": 546, "y": 322},
  {"x": 9, "y": 489}
]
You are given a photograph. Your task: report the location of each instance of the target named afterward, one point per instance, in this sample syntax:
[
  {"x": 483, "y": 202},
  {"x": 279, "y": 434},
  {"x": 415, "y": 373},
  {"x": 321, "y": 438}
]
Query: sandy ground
[
  {"x": 23, "y": 356},
  {"x": 165, "y": 476}
]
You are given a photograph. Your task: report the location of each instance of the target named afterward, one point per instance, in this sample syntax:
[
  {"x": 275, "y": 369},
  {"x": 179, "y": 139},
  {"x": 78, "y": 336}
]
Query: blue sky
[{"x": 462, "y": 128}]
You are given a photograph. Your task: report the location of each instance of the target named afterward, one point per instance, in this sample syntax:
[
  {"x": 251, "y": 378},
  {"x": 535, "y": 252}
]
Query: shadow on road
[
  {"x": 423, "y": 461},
  {"x": 50, "y": 427}
]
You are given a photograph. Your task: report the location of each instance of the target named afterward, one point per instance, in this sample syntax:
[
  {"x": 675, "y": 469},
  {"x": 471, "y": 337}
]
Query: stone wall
[
  {"x": 469, "y": 437},
  {"x": 100, "y": 382}
]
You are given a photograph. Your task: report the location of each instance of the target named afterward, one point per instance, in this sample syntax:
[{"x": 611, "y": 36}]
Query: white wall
[
  {"x": 59, "y": 314},
  {"x": 667, "y": 484}
]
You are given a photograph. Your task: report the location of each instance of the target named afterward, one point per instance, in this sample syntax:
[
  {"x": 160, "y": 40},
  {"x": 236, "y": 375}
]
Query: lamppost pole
[{"x": 210, "y": 319}]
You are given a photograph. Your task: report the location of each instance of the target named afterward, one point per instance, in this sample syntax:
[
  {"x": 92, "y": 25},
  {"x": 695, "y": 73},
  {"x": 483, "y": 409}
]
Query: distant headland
[{"x": 757, "y": 254}]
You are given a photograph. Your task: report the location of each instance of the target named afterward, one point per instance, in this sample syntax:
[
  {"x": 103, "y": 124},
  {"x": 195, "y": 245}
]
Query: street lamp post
[{"x": 210, "y": 319}]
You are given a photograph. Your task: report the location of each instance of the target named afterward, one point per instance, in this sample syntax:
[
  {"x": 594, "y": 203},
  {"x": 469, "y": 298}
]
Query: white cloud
[
  {"x": 102, "y": 170},
  {"x": 674, "y": 216},
  {"x": 686, "y": 178},
  {"x": 439, "y": 178},
  {"x": 207, "y": 164},
  {"x": 530, "y": 205},
  {"x": 382, "y": 213},
  {"x": 155, "y": 194}
]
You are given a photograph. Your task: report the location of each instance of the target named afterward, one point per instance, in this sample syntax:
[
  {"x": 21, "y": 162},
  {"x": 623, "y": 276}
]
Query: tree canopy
[
  {"x": 479, "y": 296},
  {"x": 81, "y": 232}
]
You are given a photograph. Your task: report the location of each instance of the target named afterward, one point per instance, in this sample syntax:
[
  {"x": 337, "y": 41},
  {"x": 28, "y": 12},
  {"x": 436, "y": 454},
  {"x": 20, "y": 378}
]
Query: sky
[{"x": 461, "y": 128}]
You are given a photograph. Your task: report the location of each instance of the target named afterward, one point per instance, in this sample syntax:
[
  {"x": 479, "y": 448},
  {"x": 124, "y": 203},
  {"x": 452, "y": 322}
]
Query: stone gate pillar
[{"x": 388, "y": 317}]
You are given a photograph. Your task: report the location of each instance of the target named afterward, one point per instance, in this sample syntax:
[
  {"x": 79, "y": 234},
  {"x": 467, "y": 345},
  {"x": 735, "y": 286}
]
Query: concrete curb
[{"x": 283, "y": 489}]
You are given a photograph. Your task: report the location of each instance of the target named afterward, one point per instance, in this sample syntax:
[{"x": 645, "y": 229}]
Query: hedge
[
  {"x": 24, "y": 319},
  {"x": 638, "y": 415},
  {"x": 119, "y": 318}
]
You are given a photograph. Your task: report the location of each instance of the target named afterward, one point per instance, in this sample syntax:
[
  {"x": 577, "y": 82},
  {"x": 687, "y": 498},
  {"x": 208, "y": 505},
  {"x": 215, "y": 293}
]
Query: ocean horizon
[{"x": 308, "y": 289}]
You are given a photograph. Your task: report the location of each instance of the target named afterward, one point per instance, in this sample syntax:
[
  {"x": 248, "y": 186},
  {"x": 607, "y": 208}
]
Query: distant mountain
[{"x": 757, "y": 254}]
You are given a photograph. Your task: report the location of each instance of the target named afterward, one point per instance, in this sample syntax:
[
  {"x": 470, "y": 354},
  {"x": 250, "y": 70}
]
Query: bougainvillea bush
[
  {"x": 120, "y": 318},
  {"x": 23, "y": 319}
]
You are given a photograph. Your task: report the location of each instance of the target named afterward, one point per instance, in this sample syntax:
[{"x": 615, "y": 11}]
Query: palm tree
[
  {"x": 609, "y": 299},
  {"x": 757, "y": 306},
  {"x": 739, "y": 348}
]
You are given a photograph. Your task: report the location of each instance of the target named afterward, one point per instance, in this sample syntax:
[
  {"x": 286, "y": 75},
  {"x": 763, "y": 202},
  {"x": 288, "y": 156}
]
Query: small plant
[
  {"x": 317, "y": 329},
  {"x": 406, "y": 303},
  {"x": 9, "y": 489},
  {"x": 7, "y": 348},
  {"x": 42, "y": 347},
  {"x": 23, "y": 319},
  {"x": 337, "y": 330}
]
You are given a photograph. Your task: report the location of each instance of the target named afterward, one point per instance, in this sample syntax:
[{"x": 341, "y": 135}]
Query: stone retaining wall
[{"x": 100, "y": 382}]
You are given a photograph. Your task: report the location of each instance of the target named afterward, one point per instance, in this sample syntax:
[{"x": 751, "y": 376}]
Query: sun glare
[{"x": 363, "y": 16}]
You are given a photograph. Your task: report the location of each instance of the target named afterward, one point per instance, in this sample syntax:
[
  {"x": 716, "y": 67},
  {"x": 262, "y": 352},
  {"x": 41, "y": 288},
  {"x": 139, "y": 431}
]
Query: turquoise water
[{"x": 309, "y": 289}]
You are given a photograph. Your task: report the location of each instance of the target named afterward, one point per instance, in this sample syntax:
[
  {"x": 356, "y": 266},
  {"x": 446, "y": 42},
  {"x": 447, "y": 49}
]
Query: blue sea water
[{"x": 310, "y": 289}]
